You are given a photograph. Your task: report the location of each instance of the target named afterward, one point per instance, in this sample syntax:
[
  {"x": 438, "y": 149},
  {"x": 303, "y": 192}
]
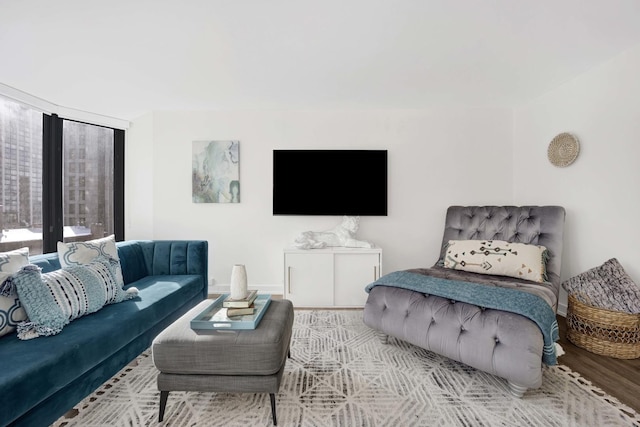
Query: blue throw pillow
[{"x": 52, "y": 300}]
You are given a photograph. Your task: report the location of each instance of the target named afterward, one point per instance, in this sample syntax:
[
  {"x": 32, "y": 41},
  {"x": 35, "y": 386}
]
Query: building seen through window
[
  {"x": 20, "y": 177},
  {"x": 87, "y": 179},
  {"x": 87, "y": 170}
]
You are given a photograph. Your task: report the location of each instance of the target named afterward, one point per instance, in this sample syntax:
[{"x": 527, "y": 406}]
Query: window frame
[{"x": 52, "y": 181}]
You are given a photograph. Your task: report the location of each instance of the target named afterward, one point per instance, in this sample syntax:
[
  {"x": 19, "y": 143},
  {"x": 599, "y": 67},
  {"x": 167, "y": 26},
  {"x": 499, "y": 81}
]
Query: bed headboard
[{"x": 538, "y": 225}]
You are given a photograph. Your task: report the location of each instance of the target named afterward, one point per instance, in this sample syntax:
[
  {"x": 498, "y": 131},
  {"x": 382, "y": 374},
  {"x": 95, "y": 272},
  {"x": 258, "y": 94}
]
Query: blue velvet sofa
[{"x": 43, "y": 378}]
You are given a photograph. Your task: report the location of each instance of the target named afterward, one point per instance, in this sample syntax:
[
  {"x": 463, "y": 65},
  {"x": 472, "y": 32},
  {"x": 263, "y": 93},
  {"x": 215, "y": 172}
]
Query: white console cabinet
[{"x": 332, "y": 277}]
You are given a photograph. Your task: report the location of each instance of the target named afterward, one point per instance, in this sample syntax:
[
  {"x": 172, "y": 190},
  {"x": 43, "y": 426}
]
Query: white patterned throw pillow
[
  {"x": 11, "y": 312},
  {"x": 520, "y": 260},
  {"x": 82, "y": 253}
]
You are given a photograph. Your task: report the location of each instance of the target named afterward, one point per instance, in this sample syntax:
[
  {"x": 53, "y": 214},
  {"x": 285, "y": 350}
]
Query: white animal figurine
[{"x": 342, "y": 235}]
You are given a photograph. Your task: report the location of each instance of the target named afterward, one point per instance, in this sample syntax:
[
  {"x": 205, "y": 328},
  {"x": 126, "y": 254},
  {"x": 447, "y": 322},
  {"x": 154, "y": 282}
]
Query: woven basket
[{"x": 605, "y": 332}]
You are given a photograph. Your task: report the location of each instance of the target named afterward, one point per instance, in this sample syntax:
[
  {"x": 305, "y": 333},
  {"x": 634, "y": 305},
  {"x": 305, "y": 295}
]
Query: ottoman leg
[
  {"x": 163, "y": 402},
  {"x": 273, "y": 408}
]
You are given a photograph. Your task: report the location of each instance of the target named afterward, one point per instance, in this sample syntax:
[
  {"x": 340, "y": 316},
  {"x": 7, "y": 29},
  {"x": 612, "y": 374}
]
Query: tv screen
[{"x": 330, "y": 182}]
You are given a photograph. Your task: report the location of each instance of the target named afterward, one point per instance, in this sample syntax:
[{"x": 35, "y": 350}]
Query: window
[
  {"x": 20, "y": 177},
  {"x": 59, "y": 180},
  {"x": 97, "y": 181}
]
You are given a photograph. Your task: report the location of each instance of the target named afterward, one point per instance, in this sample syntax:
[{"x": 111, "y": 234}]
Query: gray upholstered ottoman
[{"x": 242, "y": 361}]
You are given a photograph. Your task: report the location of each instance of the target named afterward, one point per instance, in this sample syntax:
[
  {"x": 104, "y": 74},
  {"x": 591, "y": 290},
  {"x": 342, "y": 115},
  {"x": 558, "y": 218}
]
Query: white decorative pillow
[
  {"x": 11, "y": 312},
  {"x": 82, "y": 253},
  {"x": 498, "y": 257}
]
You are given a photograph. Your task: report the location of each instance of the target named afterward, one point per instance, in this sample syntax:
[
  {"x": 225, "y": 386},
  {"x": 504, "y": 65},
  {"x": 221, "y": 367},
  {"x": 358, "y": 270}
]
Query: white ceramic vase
[{"x": 238, "y": 282}]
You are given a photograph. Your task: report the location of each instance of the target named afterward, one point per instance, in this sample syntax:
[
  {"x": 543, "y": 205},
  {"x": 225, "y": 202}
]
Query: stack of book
[{"x": 240, "y": 307}]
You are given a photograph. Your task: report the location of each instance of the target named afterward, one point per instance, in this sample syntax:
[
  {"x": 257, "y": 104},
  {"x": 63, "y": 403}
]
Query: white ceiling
[{"x": 123, "y": 58}]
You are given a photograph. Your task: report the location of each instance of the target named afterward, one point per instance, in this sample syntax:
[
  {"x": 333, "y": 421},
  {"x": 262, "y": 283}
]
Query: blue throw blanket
[{"x": 505, "y": 299}]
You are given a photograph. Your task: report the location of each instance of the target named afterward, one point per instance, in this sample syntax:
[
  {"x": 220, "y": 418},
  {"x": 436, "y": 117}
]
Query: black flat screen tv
[{"x": 330, "y": 182}]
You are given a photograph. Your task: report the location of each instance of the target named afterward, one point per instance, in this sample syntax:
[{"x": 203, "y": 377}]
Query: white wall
[
  {"x": 436, "y": 158},
  {"x": 138, "y": 163},
  {"x": 600, "y": 190}
]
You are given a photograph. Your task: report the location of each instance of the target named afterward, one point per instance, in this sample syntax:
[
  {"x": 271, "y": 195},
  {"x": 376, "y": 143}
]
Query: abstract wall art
[{"x": 215, "y": 172}]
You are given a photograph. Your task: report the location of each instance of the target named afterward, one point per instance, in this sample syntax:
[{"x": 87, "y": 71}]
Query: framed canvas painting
[{"x": 215, "y": 172}]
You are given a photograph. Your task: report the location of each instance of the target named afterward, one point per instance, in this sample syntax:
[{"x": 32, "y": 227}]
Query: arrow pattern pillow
[{"x": 520, "y": 260}]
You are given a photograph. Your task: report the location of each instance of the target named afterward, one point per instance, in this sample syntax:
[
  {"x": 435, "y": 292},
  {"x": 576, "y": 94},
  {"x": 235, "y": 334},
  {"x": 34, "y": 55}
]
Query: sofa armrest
[{"x": 140, "y": 258}]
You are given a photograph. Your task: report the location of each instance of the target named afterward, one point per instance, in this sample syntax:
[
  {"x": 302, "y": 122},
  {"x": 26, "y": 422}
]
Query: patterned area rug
[{"x": 340, "y": 374}]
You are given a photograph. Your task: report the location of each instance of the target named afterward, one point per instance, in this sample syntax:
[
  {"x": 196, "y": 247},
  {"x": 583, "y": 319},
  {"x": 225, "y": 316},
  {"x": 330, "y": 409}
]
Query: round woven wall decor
[{"x": 563, "y": 150}]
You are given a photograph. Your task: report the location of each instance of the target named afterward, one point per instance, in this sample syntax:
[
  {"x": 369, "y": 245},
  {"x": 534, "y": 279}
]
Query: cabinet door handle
[
  {"x": 375, "y": 272},
  {"x": 289, "y": 278}
]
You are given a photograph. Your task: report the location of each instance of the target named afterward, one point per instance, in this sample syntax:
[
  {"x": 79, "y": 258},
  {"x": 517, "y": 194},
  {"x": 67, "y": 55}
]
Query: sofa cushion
[
  {"x": 151, "y": 258},
  {"x": 132, "y": 261},
  {"x": 54, "y": 299},
  {"x": 11, "y": 312},
  {"x": 52, "y": 362},
  {"x": 46, "y": 262},
  {"x": 81, "y": 253},
  {"x": 520, "y": 260}
]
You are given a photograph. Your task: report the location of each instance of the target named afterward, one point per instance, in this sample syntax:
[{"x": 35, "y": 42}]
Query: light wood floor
[{"x": 618, "y": 377}]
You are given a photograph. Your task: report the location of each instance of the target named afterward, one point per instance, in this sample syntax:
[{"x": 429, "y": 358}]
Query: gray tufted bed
[{"x": 492, "y": 338}]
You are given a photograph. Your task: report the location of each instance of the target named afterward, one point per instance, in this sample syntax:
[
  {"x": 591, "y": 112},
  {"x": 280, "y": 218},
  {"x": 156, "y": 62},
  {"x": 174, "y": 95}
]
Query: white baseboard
[
  {"x": 562, "y": 310},
  {"x": 262, "y": 289}
]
